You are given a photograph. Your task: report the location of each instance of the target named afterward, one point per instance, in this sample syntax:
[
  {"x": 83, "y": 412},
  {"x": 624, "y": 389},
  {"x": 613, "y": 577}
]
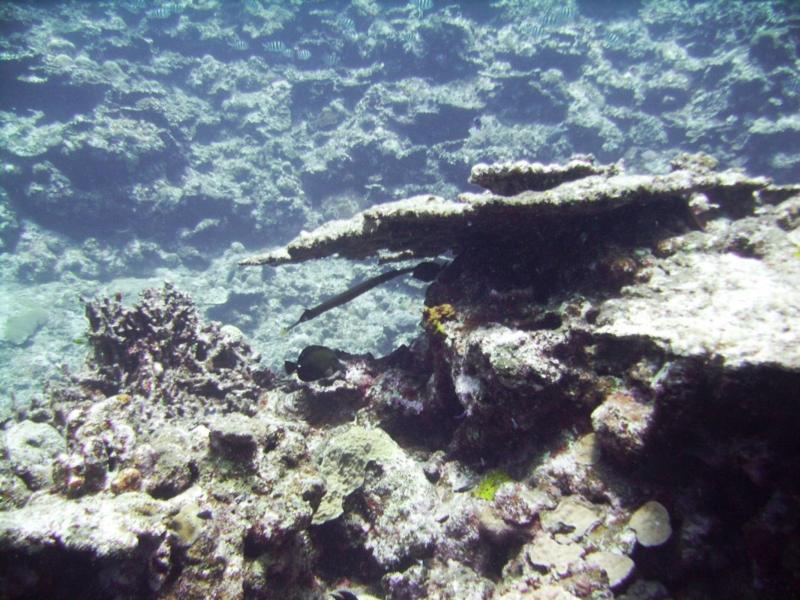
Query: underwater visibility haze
[{"x": 400, "y": 299}]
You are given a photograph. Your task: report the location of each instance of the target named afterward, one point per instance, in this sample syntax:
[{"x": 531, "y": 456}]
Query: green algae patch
[{"x": 491, "y": 482}]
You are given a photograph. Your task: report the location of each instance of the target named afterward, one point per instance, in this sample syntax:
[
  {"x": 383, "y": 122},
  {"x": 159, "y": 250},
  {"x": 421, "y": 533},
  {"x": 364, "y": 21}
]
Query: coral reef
[
  {"x": 598, "y": 399},
  {"x": 138, "y": 134},
  {"x": 540, "y": 438}
]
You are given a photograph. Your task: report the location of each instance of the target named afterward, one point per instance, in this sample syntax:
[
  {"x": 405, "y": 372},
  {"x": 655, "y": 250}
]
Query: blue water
[{"x": 145, "y": 140}]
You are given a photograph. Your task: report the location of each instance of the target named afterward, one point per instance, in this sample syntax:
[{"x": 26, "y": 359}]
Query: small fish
[
  {"x": 302, "y": 54},
  {"x": 346, "y": 24},
  {"x": 409, "y": 38},
  {"x": 330, "y": 60},
  {"x": 567, "y": 12},
  {"x": 537, "y": 31},
  {"x": 558, "y": 15},
  {"x": 315, "y": 362},
  {"x": 164, "y": 11},
  {"x": 613, "y": 38},
  {"x": 420, "y": 6},
  {"x": 276, "y": 47},
  {"x": 549, "y": 18},
  {"x": 238, "y": 44}
]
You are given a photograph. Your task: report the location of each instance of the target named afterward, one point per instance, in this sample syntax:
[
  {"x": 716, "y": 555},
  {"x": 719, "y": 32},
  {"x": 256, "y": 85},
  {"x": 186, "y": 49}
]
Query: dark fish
[
  {"x": 425, "y": 271},
  {"x": 314, "y": 362},
  {"x": 343, "y": 595}
]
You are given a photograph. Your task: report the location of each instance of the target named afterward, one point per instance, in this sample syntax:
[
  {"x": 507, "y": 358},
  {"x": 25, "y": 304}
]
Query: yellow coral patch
[
  {"x": 433, "y": 317},
  {"x": 490, "y": 483}
]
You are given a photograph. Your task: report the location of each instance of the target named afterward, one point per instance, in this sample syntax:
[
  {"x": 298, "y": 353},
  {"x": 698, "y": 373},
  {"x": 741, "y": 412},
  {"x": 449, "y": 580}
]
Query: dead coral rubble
[
  {"x": 160, "y": 350},
  {"x": 636, "y": 444}
]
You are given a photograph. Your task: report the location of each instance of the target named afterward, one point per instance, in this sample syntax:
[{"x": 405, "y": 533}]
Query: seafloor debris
[
  {"x": 160, "y": 350},
  {"x": 572, "y": 421}
]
